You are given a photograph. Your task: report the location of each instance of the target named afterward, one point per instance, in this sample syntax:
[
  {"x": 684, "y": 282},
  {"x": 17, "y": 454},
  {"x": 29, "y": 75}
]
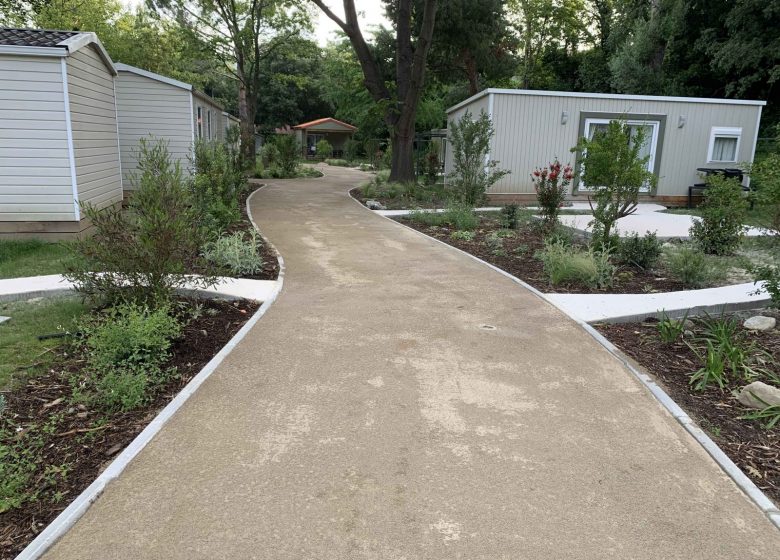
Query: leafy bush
[
  {"x": 712, "y": 370},
  {"x": 564, "y": 263},
  {"x": 612, "y": 165},
  {"x": 461, "y": 217},
  {"x": 125, "y": 351},
  {"x": 269, "y": 155},
  {"x": 690, "y": 267},
  {"x": 216, "y": 184},
  {"x": 509, "y": 218},
  {"x": 351, "y": 149},
  {"x": 770, "y": 276},
  {"x": 143, "y": 254},
  {"x": 289, "y": 150},
  {"x": 431, "y": 163},
  {"x": 463, "y": 235},
  {"x": 721, "y": 227},
  {"x": 472, "y": 175},
  {"x": 427, "y": 218},
  {"x": 323, "y": 149},
  {"x": 641, "y": 252},
  {"x": 237, "y": 253},
  {"x": 337, "y": 162},
  {"x": 551, "y": 184},
  {"x": 765, "y": 179}
]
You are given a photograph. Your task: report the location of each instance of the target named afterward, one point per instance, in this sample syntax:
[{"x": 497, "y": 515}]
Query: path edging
[
  {"x": 71, "y": 514},
  {"x": 727, "y": 465}
]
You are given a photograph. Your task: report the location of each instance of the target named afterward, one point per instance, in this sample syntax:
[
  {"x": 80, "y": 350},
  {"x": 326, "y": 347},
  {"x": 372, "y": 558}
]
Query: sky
[{"x": 371, "y": 14}]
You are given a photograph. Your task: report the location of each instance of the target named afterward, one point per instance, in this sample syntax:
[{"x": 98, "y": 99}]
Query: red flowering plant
[{"x": 551, "y": 184}]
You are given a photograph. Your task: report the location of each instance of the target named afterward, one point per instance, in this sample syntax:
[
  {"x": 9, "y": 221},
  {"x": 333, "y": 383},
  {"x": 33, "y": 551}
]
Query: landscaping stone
[
  {"x": 760, "y": 323},
  {"x": 767, "y": 393},
  {"x": 374, "y": 205},
  {"x": 3, "y": 319}
]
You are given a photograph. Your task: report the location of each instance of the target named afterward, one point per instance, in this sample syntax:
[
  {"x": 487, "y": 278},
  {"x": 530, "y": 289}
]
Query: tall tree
[
  {"x": 243, "y": 33},
  {"x": 400, "y": 103}
]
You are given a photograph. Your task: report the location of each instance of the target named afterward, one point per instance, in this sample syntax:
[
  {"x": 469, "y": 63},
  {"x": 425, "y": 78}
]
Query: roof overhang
[
  {"x": 340, "y": 126},
  {"x": 614, "y": 96},
  {"x": 63, "y": 49}
]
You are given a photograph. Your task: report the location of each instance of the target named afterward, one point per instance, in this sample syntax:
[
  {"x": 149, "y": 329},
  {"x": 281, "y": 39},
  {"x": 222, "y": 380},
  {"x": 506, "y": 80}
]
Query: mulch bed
[
  {"x": 752, "y": 447},
  {"x": 87, "y": 440},
  {"x": 527, "y": 267},
  {"x": 399, "y": 203}
]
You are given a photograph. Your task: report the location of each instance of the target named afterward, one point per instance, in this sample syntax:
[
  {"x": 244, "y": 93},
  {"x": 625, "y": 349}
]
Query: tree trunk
[
  {"x": 402, "y": 161},
  {"x": 246, "y": 115}
]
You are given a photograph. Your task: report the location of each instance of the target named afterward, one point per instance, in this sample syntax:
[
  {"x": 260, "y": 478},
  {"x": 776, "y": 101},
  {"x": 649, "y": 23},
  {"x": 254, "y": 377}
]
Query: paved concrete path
[{"x": 402, "y": 401}]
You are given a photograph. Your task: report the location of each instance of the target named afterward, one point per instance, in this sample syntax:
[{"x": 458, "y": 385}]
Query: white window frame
[
  {"x": 199, "y": 120},
  {"x": 724, "y": 132},
  {"x": 656, "y": 126},
  {"x": 208, "y": 123}
]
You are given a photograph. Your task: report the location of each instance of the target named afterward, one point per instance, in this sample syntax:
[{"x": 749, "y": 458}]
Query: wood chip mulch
[
  {"x": 85, "y": 440},
  {"x": 752, "y": 447}
]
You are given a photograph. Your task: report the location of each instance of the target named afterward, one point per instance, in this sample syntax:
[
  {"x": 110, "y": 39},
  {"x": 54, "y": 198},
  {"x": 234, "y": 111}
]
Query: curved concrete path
[{"x": 402, "y": 401}]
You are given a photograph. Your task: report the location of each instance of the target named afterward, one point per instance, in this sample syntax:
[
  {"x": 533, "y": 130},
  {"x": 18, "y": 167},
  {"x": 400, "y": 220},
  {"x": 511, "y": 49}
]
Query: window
[
  {"x": 200, "y": 121},
  {"x": 724, "y": 144},
  {"x": 208, "y": 124},
  {"x": 651, "y": 130}
]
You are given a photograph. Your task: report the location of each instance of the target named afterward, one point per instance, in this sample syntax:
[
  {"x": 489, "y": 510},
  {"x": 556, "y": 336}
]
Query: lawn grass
[
  {"x": 31, "y": 258},
  {"x": 21, "y": 353}
]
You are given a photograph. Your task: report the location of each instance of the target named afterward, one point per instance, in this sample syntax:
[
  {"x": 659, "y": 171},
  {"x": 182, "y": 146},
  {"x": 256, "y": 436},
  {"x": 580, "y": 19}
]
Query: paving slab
[{"x": 401, "y": 400}]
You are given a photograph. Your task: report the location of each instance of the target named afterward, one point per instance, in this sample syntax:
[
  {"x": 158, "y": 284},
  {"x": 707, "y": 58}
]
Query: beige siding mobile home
[
  {"x": 533, "y": 127},
  {"x": 58, "y": 132},
  {"x": 157, "y": 107}
]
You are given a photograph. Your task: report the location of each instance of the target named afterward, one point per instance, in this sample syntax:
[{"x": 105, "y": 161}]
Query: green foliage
[
  {"x": 770, "y": 413},
  {"x": 269, "y": 155},
  {"x": 770, "y": 276},
  {"x": 323, "y": 149},
  {"x": 351, "y": 149},
  {"x": 641, "y": 252},
  {"x": 31, "y": 257},
  {"x": 238, "y": 253},
  {"x": 289, "y": 151},
  {"x": 564, "y": 264},
  {"x": 509, "y": 216},
  {"x": 713, "y": 369},
  {"x": 765, "y": 180},
  {"x": 431, "y": 163},
  {"x": 472, "y": 175},
  {"x": 461, "y": 217},
  {"x": 611, "y": 164},
  {"x": 721, "y": 227},
  {"x": 551, "y": 185},
  {"x": 143, "y": 254},
  {"x": 689, "y": 266},
  {"x": 18, "y": 463},
  {"x": 125, "y": 350},
  {"x": 216, "y": 184},
  {"x": 669, "y": 330},
  {"x": 463, "y": 235}
]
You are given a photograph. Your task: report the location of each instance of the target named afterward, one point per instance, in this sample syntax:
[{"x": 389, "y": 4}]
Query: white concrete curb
[
  {"x": 729, "y": 467},
  {"x": 70, "y": 515}
]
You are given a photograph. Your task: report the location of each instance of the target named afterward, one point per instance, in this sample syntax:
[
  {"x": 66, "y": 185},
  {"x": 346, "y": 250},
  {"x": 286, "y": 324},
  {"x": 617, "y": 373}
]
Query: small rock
[
  {"x": 203, "y": 332},
  {"x": 374, "y": 205},
  {"x": 34, "y": 300},
  {"x": 760, "y": 323},
  {"x": 688, "y": 324},
  {"x": 113, "y": 449},
  {"x": 688, "y": 333},
  {"x": 3, "y": 319},
  {"x": 767, "y": 393}
]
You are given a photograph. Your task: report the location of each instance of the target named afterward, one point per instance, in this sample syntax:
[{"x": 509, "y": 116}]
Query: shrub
[
  {"x": 289, "y": 150},
  {"x": 351, "y": 149},
  {"x": 237, "y": 253},
  {"x": 564, "y": 263},
  {"x": 125, "y": 350},
  {"x": 641, "y": 252},
  {"x": 269, "y": 154},
  {"x": 463, "y": 235},
  {"x": 142, "y": 254},
  {"x": 689, "y": 266},
  {"x": 461, "y": 217},
  {"x": 509, "y": 219},
  {"x": 472, "y": 175},
  {"x": 216, "y": 184},
  {"x": 765, "y": 179},
  {"x": 720, "y": 229},
  {"x": 337, "y": 162},
  {"x": 670, "y": 329},
  {"x": 612, "y": 165},
  {"x": 431, "y": 163},
  {"x": 551, "y": 184},
  {"x": 323, "y": 149},
  {"x": 427, "y": 218},
  {"x": 770, "y": 276}
]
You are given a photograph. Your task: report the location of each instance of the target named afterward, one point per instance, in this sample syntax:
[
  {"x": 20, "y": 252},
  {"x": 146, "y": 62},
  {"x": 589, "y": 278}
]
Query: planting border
[
  {"x": 732, "y": 470},
  {"x": 70, "y": 515}
]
